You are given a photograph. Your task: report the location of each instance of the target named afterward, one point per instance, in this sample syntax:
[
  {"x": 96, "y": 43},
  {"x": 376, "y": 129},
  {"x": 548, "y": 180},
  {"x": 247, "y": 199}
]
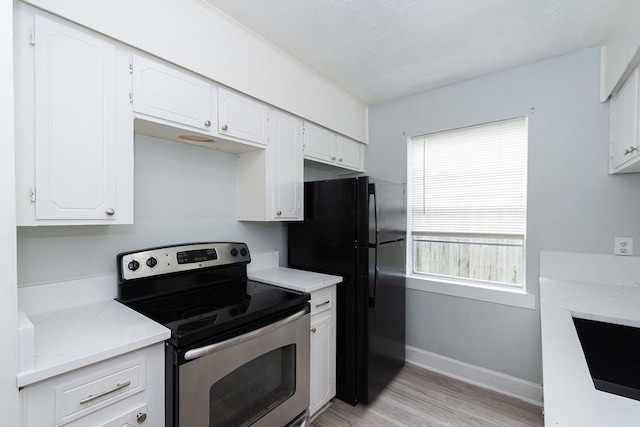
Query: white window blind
[{"x": 470, "y": 180}]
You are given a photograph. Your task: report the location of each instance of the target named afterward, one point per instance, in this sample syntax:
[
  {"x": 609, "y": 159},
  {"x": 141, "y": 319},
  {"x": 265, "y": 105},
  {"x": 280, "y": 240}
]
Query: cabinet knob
[
  {"x": 630, "y": 150},
  {"x": 313, "y": 330},
  {"x": 141, "y": 417},
  {"x": 279, "y": 213},
  {"x": 110, "y": 211},
  {"x": 340, "y": 160},
  {"x": 333, "y": 158},
  {"x": 207, "y": 123},
  {"x": 225, "y": 127}
]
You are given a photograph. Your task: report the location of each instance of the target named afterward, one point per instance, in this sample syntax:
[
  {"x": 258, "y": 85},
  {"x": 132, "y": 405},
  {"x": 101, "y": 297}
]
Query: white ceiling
[{"x": 378, "y": 50}]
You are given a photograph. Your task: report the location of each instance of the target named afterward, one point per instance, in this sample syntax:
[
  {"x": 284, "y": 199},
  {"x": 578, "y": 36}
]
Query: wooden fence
[{"x": 492, "y": 260}]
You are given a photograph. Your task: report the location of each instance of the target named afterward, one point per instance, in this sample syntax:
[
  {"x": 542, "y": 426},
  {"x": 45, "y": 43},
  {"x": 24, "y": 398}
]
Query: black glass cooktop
[{"x": 210, "y": 312}]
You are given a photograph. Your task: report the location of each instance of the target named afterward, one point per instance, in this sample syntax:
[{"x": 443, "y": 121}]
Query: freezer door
[{"x": 386, "y": 223}]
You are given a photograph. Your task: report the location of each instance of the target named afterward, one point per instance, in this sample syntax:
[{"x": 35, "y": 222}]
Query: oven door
[{"x": 260, "y": 378}]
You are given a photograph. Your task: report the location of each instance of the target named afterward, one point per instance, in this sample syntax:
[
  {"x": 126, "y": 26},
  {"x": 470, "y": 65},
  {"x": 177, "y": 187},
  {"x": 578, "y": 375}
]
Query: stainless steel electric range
[{"x": 239, "y": 349}]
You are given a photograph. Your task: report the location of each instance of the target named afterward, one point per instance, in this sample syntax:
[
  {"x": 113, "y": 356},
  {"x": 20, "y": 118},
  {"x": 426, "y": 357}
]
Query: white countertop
[
  {"x": 264, "y": 267},
  {"x": 72, "y": 337},
  {"x": 60, "y": 333},
  {"x": 600, "y": 287},
  {"x": 297, "y": 280}
]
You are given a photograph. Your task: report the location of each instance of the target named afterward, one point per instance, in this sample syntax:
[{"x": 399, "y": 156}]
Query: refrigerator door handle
[
  {"x": 373, "y": 215},
  {"x": 373, "y": 246},
  {"x": 373, "y": 276}
]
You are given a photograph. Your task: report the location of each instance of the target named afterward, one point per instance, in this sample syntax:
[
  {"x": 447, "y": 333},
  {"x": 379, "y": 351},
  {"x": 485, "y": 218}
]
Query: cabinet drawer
[
  {"x": 92, "y": 392},
  {"x": 321, "y": 303},
  {"x": 136, "y": 417}
]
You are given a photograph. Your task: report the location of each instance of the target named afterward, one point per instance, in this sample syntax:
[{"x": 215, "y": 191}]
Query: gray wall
[
  {"x": 572, "y": 205},
  {"x": 183, "y": 193}
]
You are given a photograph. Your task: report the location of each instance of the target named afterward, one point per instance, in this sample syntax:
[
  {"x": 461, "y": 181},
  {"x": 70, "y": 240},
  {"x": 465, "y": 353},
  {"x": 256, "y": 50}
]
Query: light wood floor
[{"x": 417, "y": 397}]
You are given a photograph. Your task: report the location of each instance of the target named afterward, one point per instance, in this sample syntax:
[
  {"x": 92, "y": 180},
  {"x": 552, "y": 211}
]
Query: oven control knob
[
  {"x": 133, "y": 265},
  {"x": 152, "y": 262},
  {"x": 243, "y": 251},
  {"x": 234, "y": 252}
]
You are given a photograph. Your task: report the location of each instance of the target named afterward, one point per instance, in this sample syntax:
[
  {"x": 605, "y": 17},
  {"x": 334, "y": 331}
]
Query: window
[{"x": 467, "y": 203}]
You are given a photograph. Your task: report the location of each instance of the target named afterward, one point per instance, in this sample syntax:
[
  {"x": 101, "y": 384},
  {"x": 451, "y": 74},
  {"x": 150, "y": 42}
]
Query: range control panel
[{"x": 172, "y": 259}]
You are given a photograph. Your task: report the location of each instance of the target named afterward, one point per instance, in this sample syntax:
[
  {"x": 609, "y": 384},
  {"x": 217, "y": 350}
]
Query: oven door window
[{"x": 249, "y": 392}]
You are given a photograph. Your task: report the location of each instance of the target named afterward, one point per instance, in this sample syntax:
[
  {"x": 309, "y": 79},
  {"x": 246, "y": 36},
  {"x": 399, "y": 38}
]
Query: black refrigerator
[{"x": 356, "y": 228}]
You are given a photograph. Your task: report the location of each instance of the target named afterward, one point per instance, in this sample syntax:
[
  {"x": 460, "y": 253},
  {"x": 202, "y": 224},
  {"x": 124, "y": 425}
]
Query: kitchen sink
[{"x": 612, "y": 352}]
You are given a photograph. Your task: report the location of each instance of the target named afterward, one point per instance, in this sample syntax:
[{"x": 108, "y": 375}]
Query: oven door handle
[{"x": 203, "y": 351}]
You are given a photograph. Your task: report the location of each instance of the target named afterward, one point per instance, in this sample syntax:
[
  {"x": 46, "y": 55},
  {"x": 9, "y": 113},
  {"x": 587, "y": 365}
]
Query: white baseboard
[{"x": 482, "y": 377}]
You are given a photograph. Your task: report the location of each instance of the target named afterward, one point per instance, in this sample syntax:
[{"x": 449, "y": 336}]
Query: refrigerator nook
[{"x": 356, "y": 228}]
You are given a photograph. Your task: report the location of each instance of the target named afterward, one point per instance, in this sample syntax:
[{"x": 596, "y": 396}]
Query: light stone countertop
[
  {"x": 297, "y": 280},
  {"x": 67, "y": 337},
  {"x": 264, "y": 267},
  {"x": 599, "y": 287},
  {"x": 69, "y": 325}
]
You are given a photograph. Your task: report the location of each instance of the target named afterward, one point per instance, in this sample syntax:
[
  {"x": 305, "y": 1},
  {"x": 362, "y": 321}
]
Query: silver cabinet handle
[
  {"x": 207, "y": 123},
  {"x": 313, "y": 330},
  {"x": 340, "y": 160},
  {"x": 630, "y": 150},
  {"x": 225, "y": 127},
  {"x": 104, "y": 393},
  {"x": 203, "y": 351},
  {"x": 333, "y": 157},
  {"x": 279, "y": 213},
  {"x": 111, "y": 212},
  {"x": 322, "y": 303}
]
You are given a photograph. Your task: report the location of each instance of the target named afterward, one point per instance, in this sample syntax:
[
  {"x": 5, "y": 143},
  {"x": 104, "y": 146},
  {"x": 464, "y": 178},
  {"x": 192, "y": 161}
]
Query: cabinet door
[
  {"x": 319, "y": 143},
  {"x": 286, "y": 166},
  {"x": 172, "y": 94},
  {"x": 349, "y": 153},
  {"x": 242, "y": 117},
  {"x": 322, "y": 361},
  {"x": 624, "y": 123},
  {"x": 77, "y": 128}
]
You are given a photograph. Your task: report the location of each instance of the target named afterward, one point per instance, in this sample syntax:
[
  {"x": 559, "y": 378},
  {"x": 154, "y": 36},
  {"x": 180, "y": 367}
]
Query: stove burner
[
  {"x": 200, "y": 313},
  {"x": 184, "y": 302},
  {"x": 196, "y": 324}
]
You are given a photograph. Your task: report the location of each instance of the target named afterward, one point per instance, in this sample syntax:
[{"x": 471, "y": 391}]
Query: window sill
[{"x": 512, "y": 297}]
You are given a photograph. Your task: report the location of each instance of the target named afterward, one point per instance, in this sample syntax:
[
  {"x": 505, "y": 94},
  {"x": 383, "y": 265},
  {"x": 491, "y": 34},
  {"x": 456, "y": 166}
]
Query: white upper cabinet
[
  {"x": 77, "y": 163},
  {"x": 325, "y": 146},
  {"x": 319, "y": 143},
  {"x": 270, "y": 180},
  {"x": 286, "y": 166},
  {"x": 624, "y": 150},
  {"x": 169, "y": 93},
  {"x": 349, "y": 153},
  {"x": 242, "y": 117}
]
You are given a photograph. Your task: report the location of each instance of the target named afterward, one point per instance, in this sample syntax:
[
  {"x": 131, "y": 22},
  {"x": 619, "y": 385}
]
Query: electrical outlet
[{"x": 623, "y": 246}]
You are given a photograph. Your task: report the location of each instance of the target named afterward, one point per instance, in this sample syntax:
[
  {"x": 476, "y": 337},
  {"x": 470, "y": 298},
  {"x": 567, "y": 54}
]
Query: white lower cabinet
[
  {"x": 323, "y": 348},
  {"x": 127, "y": 390}
]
